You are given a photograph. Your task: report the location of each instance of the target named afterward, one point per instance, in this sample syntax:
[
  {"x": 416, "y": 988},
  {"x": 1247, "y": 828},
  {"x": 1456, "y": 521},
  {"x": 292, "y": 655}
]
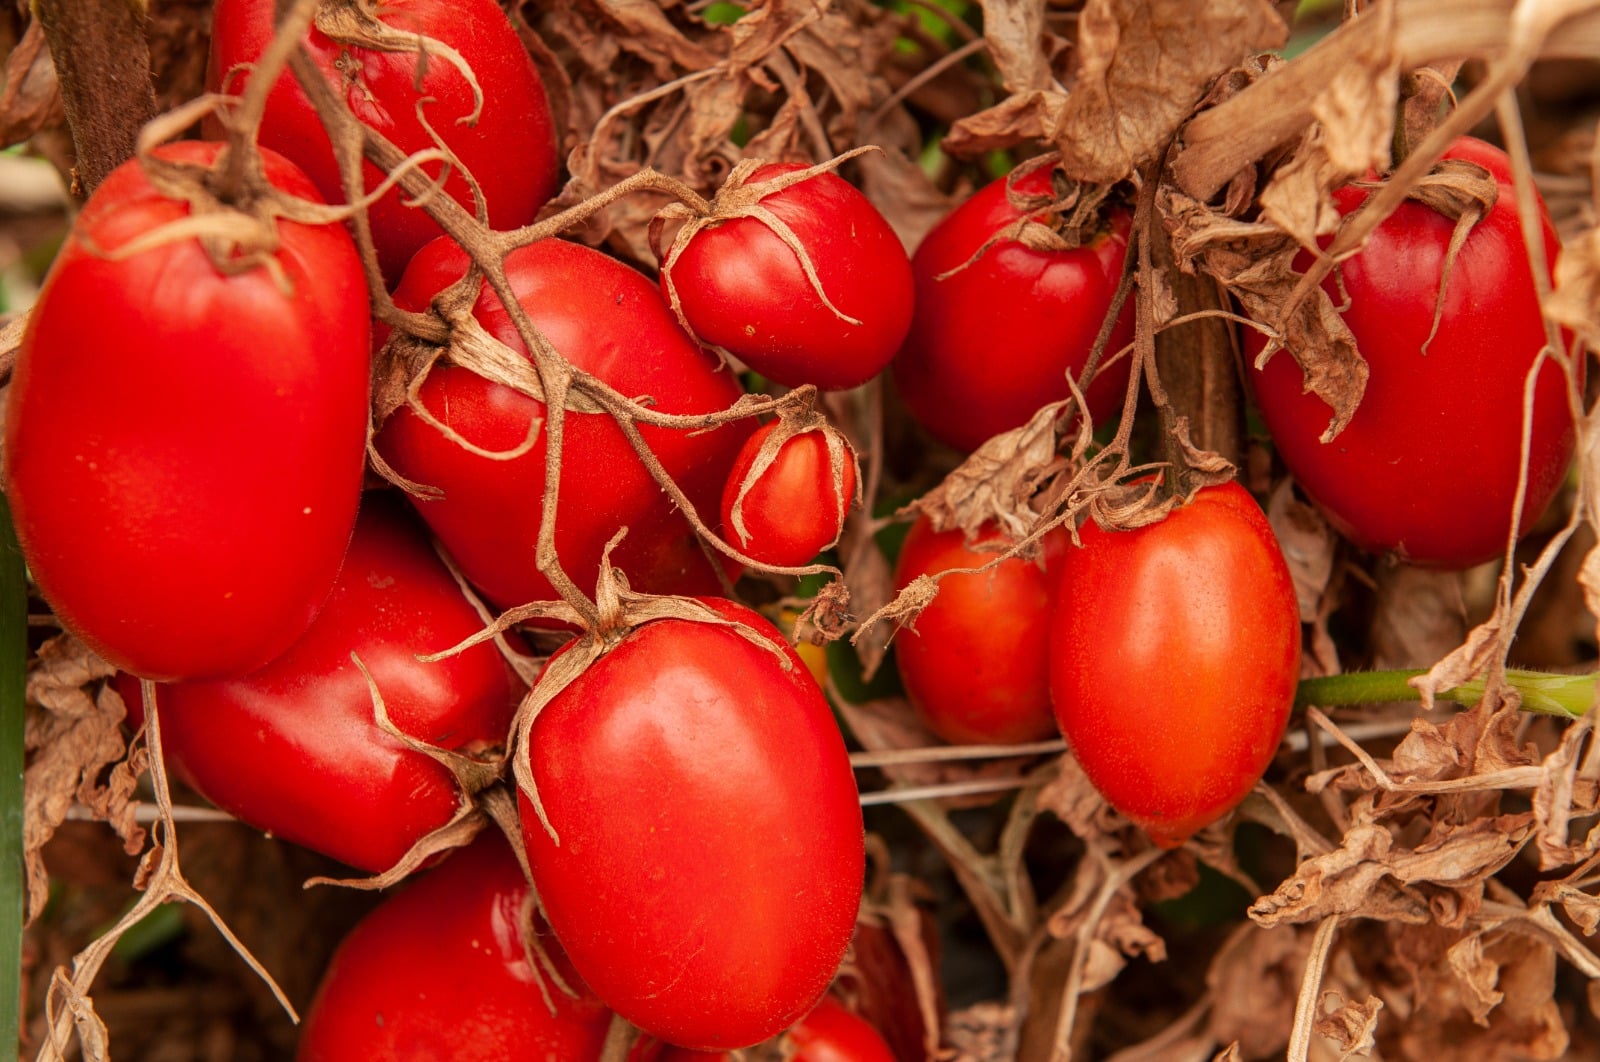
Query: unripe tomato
[
  {"x": 708, "y": 857},
  {"x": 611, "y": 322},
  {"x": 975, "y": 664},
  {"x": 184, "y": 447},
  {"x": 294, "y": 748},
  {"x": 508, "y": 145},
  {"x": 440, "y": 971},
  {"x": 794, "y": 509},
  {"x": 743, "y": 289},
  {"x": 1427, "y": 467},
  {"x": 994, "y": 340},
  {"x": 1173, "y": 660}
]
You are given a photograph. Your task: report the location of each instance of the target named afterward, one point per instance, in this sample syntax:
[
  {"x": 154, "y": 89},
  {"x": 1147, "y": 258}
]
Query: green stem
[
  {"x": 13, "y": 676},
  {"x": 1569, "y": 696}
]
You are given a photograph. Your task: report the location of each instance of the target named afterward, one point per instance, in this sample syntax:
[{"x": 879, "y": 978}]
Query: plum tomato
[
  {"x": 184, "y": 446},
  {"x": 795, "y": 508},
  {"x": 708, "y": 854},
  {"x": 294, "y": 748},
  {"x": 1174, "y": 655},
  {"x": 504, "y": 138},
  {"x": 975, "y": 663},
  {"x": 994, "y": 337},
  {"x": 830, "y": 1033},
  {"x": 440, "y": 971},
  {"x": 1427, "y": 467},
  {"x": 610, "y": 322},
  {"x": 742, "y": 288}
]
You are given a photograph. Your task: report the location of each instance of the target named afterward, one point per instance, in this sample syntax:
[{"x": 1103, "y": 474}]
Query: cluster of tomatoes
[{"x": 187, "y": 440}]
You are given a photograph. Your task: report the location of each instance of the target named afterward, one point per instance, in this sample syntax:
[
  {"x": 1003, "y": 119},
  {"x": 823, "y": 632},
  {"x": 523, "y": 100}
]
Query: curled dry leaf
[
  {"x": 1253, "y": 983},
  {"x": 30, "y": 97},
  {"x": 1419, "y": 616},
  {"x": 999, "y": 482},
  {"x": 1308, "y": 544},
  {"x": 1351, "y": 1025},
  {"x": 1569, "y": 790}
]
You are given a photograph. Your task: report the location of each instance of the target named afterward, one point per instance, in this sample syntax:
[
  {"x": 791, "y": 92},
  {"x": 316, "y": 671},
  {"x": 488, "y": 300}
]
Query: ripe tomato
[
  {"x": 184, "y": 447},
  {"x": 509, "y": 147},
  {"x": 611, "y": 322},
  {"x": 293, "y": 749},
  {"x": 1427, "y": 467},
  {"x": 743, "y": 289},
  {"x": 711, "y": 856},
  {"x": 830, "y": 1033},
  {"x": 975, "y": 664},
  {"x": 439, "y": 971},
  {"x": 1173, "y": 660},
  {"x": 794, "y": 509},
  {"x": 993, "y": 341}
]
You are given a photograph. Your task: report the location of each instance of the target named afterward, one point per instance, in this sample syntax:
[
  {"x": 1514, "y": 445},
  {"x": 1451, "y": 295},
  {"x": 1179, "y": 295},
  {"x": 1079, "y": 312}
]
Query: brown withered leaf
[
  {"x": 1575, "y": 302},
  {"x": 903, "y": 193},
  {"x": 1419, "y": 616},
  {"x": 1073, "y": 799},
  {"x": 1352, "y": 1026},
  {"x": 1031, "y": 115},
  {"x": 30, "y": 98},
  {"x": 1015, "y": 33},
  {"x": 1569, "y": 790},
  {"x": 1142, "y": 67},
  {"x": 1308, "y": 545},
  {"x": 1452, "y": 1017},
  {"x": 1254, "y": 981},
  {"x": 996, "y": 484},
  {"x": 1477, "y": 977}
]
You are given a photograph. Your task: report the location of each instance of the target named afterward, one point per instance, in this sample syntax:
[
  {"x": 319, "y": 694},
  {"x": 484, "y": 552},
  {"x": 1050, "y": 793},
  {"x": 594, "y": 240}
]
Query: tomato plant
[
  {"x": 1174, "y": 654},
  {"x": 295, "y": 749},
  {"x": 499, "y": 129},
  {"x": 183, "y": 492},
  {"x": 742, "y": 288},
  {"x": 440, "y": 970},
  {"x": 975, "y": 663},
  {"x": 1427, "y": 467},
  {"x": 611, "y": 322},
  {"x": 998, "y": 328},
  {"x": 794, "y": 508},
  {"x": 707, "y": 856}
]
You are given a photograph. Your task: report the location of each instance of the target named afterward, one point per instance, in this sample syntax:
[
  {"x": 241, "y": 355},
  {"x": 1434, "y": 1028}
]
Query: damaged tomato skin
[
  {"x": 993, "y": 341},
  {"x": 1427, "y": 467},
  {"x": 1194, "y": 618},
  {"x": 611, "y": 322},
  {"x": 183, "y": 491},
  {"x": 711, "y": 856},
  {"x": 294, "y": 748},
  {"x": 743, "y": 289},
  {"x": 439, "y": 971},
  {"x": 975, "y": 664},
  {"x": 794, "y": 510}
]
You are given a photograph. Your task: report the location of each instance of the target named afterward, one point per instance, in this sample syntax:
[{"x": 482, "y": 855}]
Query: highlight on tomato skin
[{"x": 1174, "y": 656}]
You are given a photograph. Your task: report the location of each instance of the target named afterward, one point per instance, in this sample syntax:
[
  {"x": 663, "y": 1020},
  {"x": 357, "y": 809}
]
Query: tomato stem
[
  {"x": 1569, "y": 696},
  {"x": 13, "y": 676}
]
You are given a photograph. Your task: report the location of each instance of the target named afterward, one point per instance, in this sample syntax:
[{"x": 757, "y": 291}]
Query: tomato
[
  {"x": 794, "y": 509},
  {"x": 294, "y": 749},
  {"x": 711, "y": 855},
  {"x": 1427, "y": 467},
  {"x": 183, "y": 490},
  {"x": 440, "y": 971},
  {"x": 611, "y": 322},
  {"x": 975, "y": 662},
  {"x": 742, "y": 288},
  {"x": 1174, "y": 655},
  {"x": 994, "y": 340},
  {"x": 830, "y": 1033},
  {"x": 509, "y": 148}
]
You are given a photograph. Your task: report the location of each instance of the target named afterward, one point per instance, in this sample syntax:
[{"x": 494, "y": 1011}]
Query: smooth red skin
[
  {"x": 711, "y": 850},
  {"x": 830, "y": 1033},
  {"x": 612, "y": 323},
  {"x": 792, "y": 512},
  {"x": 1427, "y": 468},
  {"x": 439, "y": 971},
  {"x": 975, "y": 665},
  {"x": 1173, "y": 660},
  {"x": 993, "y": 342},
  {"x": 510, "y": 150},
  {"x": 743, "y": 289},
  {"x": 184, "y": 450},
  {"x": 294, "y": 750}
]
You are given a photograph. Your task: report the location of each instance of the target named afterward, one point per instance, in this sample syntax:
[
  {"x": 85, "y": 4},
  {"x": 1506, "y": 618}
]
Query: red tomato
[
  {"x": 612, "y": 323},
  {"x": 439, "y": 971},
  {"x": 711, "y": 856},
  {"x": 509, "y": 149},
  {"x": 293, "y": 749},
  {"x": 830, "y": 1033},
  {"x": 1173, "y": 660},
  {"x": 1427, "y": 467},
  {"x": 992, "y": 342},
  {"x": 975, "y": 664},
  {"x": 183, "y": 447},
  {"x": 743, "y": 289},
  {"x": 793, "y": 510}
]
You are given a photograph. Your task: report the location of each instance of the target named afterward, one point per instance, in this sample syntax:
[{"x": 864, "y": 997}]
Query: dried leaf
[
  {"x": 1073, "y": 799},
  {"x": 1477, "y": 976},
  {"x": 1352, "y": 1026},
  {"x": 1570, "y": 789},
  {"x": 997, "y": 483},
  {"x": 1575, "y": 302},
  {"x": 1015, "y": 33},
  {"x": 1308, "y": 545},
  {"x": 30, "y": 98},
  {"x": 1022, "y": 117},
  {"x": 1419, "y": 616},
  {"x": 1254, "y": 982}
]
